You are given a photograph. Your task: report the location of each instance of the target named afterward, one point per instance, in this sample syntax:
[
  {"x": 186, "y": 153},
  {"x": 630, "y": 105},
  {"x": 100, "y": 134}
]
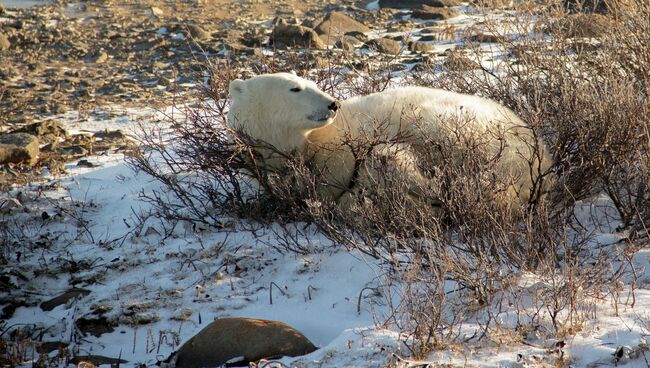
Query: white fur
[{"x": 265, "y": 108}]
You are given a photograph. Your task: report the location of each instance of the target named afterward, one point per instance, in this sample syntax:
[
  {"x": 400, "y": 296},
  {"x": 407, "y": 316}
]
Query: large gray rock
[
  {"x": 337, "y": 24},
  {"x": 414, "y": 4},
  {"x": 293, "y": 35},
  {"x": 253, "y": 339},
  {"x": 18, "y": 148}
]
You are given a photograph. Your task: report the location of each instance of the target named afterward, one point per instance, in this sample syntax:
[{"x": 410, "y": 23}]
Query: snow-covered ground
[
  {"x": 90, "y": 230},
  {"x": 163, "y": 290}
]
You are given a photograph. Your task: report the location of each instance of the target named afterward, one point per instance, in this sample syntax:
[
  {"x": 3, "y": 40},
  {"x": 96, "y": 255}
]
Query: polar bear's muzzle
[{"x": 325, "y": 116}]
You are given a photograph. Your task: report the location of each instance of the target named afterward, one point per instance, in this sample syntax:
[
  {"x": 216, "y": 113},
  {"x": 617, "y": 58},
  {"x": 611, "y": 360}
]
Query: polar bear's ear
[
  {"x": 293, "y": 72},
  {"x": 236, "y": 87}
]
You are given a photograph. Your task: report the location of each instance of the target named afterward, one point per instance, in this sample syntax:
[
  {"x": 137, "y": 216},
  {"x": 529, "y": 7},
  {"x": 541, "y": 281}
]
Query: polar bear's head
[{"x": 280, "y": 109}]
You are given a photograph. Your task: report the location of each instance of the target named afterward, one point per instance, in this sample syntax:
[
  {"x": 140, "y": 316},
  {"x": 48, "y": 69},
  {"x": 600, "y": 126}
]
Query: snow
[{"x": 180, "y": 278}]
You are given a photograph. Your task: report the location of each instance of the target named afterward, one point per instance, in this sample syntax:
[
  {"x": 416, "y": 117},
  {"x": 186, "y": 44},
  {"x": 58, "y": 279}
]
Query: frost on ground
[{"x": 152, "y": 285}]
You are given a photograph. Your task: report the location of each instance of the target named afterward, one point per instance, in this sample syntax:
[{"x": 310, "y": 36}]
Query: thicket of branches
[{"x": 588, "y": 101}]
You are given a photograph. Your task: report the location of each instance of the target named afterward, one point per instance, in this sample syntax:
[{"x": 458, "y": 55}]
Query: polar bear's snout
[
  {"x": 334, "y": 106},
  {"x": 327, "y": 113}
]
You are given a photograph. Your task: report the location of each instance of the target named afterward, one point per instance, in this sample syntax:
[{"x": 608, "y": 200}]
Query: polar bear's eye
[{"x": 296, "y": 89}]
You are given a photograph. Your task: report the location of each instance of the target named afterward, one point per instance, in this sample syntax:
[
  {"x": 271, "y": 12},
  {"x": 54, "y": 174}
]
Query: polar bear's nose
[{"x": 334, "y": 106}]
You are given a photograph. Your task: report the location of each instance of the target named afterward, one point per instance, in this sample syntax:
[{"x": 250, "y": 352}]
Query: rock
[
  {"x": 50, "y": 346},
  {"x": 430, "y": 37},
  {"x": 292, "y": 35},
  {"x": 99, "y": 58},
  {"x": 46, "y": 131},
  {"x": 347, "y": 43},
  {"x": 86, "y": 163},
  {"x": 414, "y": 4},
  {"x": 337, "y": 24},
  {"x": 403, "y": 37},
  {"x": 358, "y": 35},
  {"x": 252, "y": 339},
  {"x": 198, "y": 33},
  {"x": 487, "y": 37},
  {"x": 19, "y": 148},
  {"x": 156, "y": 12},
  {"x": 4, "y": 42},
  {"x": 64, "y": 298},
  {"x": 420, "y": 47},
  {"x": 385, "y": 45},
  {"x": 94, "y": 326},
  {"x": 433, "y": 13}
]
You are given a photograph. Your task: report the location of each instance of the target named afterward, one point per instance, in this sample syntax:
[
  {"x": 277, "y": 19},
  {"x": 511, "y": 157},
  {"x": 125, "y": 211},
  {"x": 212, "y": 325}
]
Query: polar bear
[{"x": 293, "y": 115}]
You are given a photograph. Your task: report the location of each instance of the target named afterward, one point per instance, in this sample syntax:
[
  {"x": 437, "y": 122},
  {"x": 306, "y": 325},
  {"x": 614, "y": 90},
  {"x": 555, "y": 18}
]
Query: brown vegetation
[{"x": 589, "y": 104}]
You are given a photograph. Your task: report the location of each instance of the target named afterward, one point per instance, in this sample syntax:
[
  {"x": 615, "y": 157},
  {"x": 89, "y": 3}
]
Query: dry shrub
[
  {"x": 452, "y": 250},
  {"x": 588, "y": 99}
]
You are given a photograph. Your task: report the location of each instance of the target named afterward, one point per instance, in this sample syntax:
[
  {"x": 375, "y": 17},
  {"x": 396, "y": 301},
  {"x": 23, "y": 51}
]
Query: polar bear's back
[{"x": 431, "y": 105}]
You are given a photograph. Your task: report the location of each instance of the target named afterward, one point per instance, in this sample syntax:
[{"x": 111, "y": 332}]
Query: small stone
[
  {"x": 433, "y": 13},
  {"x": 420, "y": 47},
  {"x": 85, "y": 163},
  {"x": 197, "y": 32},
  {"x": 384, "y": 45},
  {"x": 50, "y": 346},
  {"x": 19, "y": 148},
  {"x": 347, "y": 43},
  {"x": 430, "y": 37},
  {"x": 95, "y": 326},
  {"x": 99, "y": 58},
  {"x": 156, "y": 12},
  {"x": 64, "y": 298},
  {"x": 336, "y": 24},
  {"x": 248, "y": 339},
  {"x": 358, "y": 35},
  {"x": 291, "y": 35},
  {"x": 486, "y": 37},
  {"x": 4, "y": 42}
]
